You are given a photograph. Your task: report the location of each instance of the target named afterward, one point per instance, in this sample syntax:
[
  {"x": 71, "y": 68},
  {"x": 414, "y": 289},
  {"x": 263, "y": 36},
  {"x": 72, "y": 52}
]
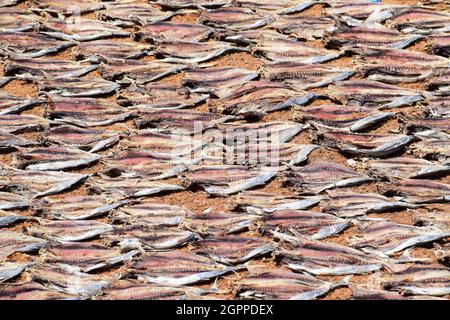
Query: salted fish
[
  {"x": 299, "y": 223},
  {"x": 69, "y": 231},
  {"x": 177, "y": 268},
  {"x": 12, "y": 242},
  {"x": 351, "y": 204},
  {"x": 258, "y": 202},
  {"x": 338, "y": 117},
  {"x": 222, "y": 180},
  {"x": 76, "y": 207},
  {"x": 388, "y": 238},
  {"x": 375, "y": 145},
  {"x": 12, "y": 104},
  {"x": 321, "y": 258},
  {"x": 87, "y": 256},
  {"x": 232, "y": 250},
  {"x": 320, "y": 176}
]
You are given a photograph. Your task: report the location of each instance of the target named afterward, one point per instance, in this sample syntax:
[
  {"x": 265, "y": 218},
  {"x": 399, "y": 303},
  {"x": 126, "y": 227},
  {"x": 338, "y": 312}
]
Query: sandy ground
[{"x": 198, "y": 201}]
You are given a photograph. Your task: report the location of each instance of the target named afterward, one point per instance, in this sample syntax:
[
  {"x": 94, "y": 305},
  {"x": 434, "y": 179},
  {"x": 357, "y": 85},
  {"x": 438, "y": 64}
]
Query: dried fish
[
  {"x": 86, "y": 139},
  {"x": 30, "y": 44},
  {"x": 129, "y": 13},
  {"x": 276, "y": 132},
  {"x": 12, "y": 242},
  {"x": 284, "y": 50},
  {"x": 359, "y": 293},
  {"x": 369, "y": 34},
  {"x": 78, "y": 87},
  {"x": 46, "y": 68},
  {"x": 321, "y": 258},
  {"x": 231, "y": 250},
  {"x": 375, "y": 145},
  {"x": 438, "y": 106},
  {"x": 139, "y": 71},
  {"x": 258, "y": 153},
  {"x": 338, "y": 117},
  {"x": 388, "y": 238},
  {"x": 432, "y": 143},
  {"x": 418, "y": 123},
  {"x": 193, "y": 52},
  {"x": 13, "y": 104},
  {"x": 420, "y": 279},
  {"x": 372, "y": 94},
  {"x": 220, "y": 81},
  {"x": 39, "y": 183},
  {"x": 17, "y": 20},
  {"x": 218, "y": 223},
  {"x": 420, "y": 20},
  {"x": 130, "y": 186},
  {"x": 350, "y": 204},
  {"x": 320, "y": 176},
  {"x": 85, "y": 112},
  {"x": 257, "y": 98},
  {"x": 133, "y": 290},
  {"x": 154, "y": 214},
  {"x": 398, "y": 65},
  {"x": 177, "y": 268},
  {"x": 160, "y": 96},
  {"x": 172, "y": 31},
  {"x": 224, "y": 180},
  {"x": 66, "y": 8},
  {"x": 9, "y": 218},
  {"x": 69, "y": 231},
  {"x": 408, "y": 168},
  {"x": 107, "y": 50},
  {"x": 179, "y": 121},
  {"x": 263, "y": 283},
  {"x": 12, "y": 201},
  {"x": 304, "y": 26},
  {"x": 180, "y": 4},
  {"x": 420, "y": 190},
  {"x": 82, "y": 29},
  {"x": 279, "y": 7},
  {"x": 234, "y": 18},
  {"x": 76, "y": 207},
  {"x": 432, "y": 218},
  {"x": 163, "y": 142},
  {"x": 87, "y": 256},
  {"x": 22, "y": 123},
  {"x": 53, "y": 158},
  {"x": 152, "y": 165},
  {"x": 149, "y": 237},
  {"x": 353, "y": 13},
  {"x": 258, "y": 202},
  {"x": 10, "y": 141},
  {"x": 439, "y": 45},
  {"x": 305, "y": 76},
  {"x": 68, "y": 279},
  {"x": 32, "y": 291},
  {"x": 9, "y": 270},
  {"x": 298, "y": 223}
]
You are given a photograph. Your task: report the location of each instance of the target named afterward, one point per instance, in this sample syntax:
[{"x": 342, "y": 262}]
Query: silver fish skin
[
  {"x": 17, "y": 20},
  {"x": 33, "y": 290},
  {"x": 63, "y": 8},
  {"x": 12, "y": 242},
  {"x": 19, "y": 123},
  {"x": 136, "y": 290},
  {"x": 78, "y": 87},
  {"x": 234, "y": 18},
  {"x": 107, "y": 50},
  {"x": 9, "y": 141},
  {"x": 9, "y": 270},
  {"x": 218, "y": 223},
  {"x": 128, "y": 15}
]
